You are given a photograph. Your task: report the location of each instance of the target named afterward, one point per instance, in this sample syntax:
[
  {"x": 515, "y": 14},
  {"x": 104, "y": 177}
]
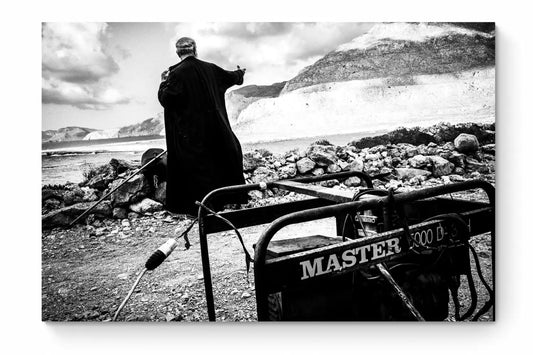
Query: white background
[{"x": 20, "y": 77}]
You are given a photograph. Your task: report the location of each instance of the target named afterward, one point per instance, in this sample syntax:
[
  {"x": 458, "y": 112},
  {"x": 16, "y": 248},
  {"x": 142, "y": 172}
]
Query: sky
[{"x": 106, "y": 75}]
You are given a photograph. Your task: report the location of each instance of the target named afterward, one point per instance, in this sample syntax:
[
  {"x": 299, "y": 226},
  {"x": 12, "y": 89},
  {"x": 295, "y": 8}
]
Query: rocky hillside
[
  {"x": 237, "y": 100},
  {"x": 401, "y": 50},
  {"x": 396, "y": 74}
]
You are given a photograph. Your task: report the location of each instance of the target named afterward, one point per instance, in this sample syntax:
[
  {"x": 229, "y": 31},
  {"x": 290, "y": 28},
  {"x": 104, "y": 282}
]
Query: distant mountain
[
  {"x": 154, "y": 126},
  {"x": 65, "y": 134},
  {"x": 149, "y": 127},
  {"x": 236, "y": 100}
]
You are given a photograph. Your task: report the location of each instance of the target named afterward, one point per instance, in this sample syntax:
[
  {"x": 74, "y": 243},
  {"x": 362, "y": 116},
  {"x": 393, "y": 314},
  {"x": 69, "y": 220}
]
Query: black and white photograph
[{"x": 268, "y": 171}]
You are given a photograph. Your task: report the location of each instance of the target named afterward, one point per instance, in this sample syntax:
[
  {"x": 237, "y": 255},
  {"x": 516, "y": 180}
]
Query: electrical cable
[
  {"x": 155, "y": 260},
  {"x": 129, "y": 294},
  {"x": 473, "y": 292},
  {"x": 248, "y": 258},
  {"x": 490, "y": 302}
]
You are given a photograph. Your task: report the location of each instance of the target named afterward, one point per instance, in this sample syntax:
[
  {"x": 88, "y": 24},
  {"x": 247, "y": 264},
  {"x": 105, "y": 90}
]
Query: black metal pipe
[
  {"x": 206, "y": 268},
  {"x": 342, "y": 175}
]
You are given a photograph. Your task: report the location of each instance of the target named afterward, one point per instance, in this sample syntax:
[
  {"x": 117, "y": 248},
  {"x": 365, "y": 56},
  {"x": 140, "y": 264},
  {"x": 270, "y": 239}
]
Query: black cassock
[{"x": 203, "y": 152}]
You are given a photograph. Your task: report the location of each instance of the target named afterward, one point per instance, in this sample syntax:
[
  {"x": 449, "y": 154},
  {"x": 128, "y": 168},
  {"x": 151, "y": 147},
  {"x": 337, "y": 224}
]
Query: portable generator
[{"x": 395, "y": 256}]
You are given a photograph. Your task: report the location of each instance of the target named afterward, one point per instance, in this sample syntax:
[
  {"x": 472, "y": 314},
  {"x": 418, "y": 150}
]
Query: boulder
[
  {"x": 377, "y": 149},
  {"x": 252, "y": 160},
  {"x": 395, "y": 161},
  {"x": 64, "y": 216},
  {"x": 333, "y": 168},
  {"x": 385, "y": 171},
  {"x": 263, "y": 174},
  {"x": 343, "y": 165},
  {"x": 466, "y": 143},
  {"x": 322, "y": 155},
  {"x": 419, "y": 161},
  {"x": 409, "y": 173},
  {"x": 89, "y": 194},
  {"x": 133, "y": 215},
  {"x": 292, "y": 156},
  {"x": 101, "y": 181},
  {"x": 317, "y": 172},
  {"x": 459, "y": 171},
  {"x": 448, "y": 146},
  {"x": 73, "y": 196},
  {"x": 329, "y": 183},
  {"x": 473, "y": 164},
  {"x": 305, "y": 165},
  {"x": 458, "y": 159},
  {"x": 120, "y": 213},
  {"x": 456, "y": 178},
  {"x": 160, "y": 192},
  {"x": 51, "y": 204},
  {"x": 489, "y": 149},
  {"x": 288, "y": 171},
  {"x": 120, "y": 166},
  {"x": 131, "y": 192},
  {"x": 67, "y": 195},
  {"x": 441, "y": 166},
  {"x": 146, "y": 205},
  {"x": 372, "y": 156},
  {"x": 411, "y": 151},
  {"x": 356, "y": 165},
  {"x": 352, "y": 181},
  {"x": 255, "y": 195}
]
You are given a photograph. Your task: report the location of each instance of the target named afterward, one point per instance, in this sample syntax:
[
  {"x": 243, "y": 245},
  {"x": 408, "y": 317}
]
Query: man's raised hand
[{"x": 164, "y": 75}]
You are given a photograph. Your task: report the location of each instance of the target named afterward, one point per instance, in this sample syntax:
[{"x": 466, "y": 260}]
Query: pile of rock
[
  {"x": 398, "y": 165},
  {"x": 62, "y": 204}
]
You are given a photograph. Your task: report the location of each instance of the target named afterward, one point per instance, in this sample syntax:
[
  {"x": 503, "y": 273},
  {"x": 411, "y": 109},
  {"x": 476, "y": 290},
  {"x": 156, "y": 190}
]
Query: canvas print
[{"x": 268, "y": 171}]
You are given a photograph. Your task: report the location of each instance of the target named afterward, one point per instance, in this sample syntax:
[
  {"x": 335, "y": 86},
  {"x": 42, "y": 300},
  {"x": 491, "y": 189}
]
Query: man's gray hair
[{"x": 185, "y": 45}]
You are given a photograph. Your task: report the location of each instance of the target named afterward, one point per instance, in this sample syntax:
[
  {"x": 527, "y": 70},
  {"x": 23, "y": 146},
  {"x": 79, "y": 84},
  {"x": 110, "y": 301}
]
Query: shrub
[{"x": 91, "y": 170}]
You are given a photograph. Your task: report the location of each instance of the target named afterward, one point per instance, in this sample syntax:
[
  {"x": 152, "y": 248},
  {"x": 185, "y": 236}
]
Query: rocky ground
[{"x": 88, "y": 269}]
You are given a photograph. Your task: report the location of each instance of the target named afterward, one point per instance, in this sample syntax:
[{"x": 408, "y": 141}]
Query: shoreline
[{"x": 81, "y": 147}]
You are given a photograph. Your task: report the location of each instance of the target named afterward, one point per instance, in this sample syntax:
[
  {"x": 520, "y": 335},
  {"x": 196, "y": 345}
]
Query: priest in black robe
[{"x": 203, "y": 152}]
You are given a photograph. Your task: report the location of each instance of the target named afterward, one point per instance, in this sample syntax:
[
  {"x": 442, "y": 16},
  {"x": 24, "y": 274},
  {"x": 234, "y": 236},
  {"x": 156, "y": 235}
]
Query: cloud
[
  {"x": 271, "y": 51},
  {"x": 76, "y": 66},
  {"x": 85, "y": 97}
]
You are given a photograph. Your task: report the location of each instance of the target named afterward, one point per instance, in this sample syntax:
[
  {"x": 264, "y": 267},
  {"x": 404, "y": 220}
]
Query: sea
[{"x": 64, "y": 162}]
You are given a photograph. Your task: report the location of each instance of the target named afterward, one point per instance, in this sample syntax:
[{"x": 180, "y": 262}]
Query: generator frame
[{"x": 272, "y": 275}]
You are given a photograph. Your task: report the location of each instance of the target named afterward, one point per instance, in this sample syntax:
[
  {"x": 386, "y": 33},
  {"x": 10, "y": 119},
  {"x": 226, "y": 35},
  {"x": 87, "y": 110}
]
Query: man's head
[{"x": 185, "y": 47}]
